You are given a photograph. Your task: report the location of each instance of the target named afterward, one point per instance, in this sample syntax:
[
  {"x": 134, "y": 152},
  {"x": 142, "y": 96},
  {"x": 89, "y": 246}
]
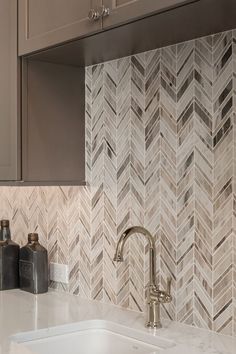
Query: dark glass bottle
[
  {"x": 9, "y": 259},
  {"x": 34, "y": 266}
]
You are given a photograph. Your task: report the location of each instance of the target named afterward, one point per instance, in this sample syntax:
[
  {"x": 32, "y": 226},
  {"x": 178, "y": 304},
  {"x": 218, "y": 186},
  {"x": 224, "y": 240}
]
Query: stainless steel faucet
[{"x": 155, "y": 297}]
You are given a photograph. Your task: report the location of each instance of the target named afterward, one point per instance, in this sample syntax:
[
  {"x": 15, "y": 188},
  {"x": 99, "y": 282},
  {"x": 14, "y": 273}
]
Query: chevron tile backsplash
[{"x": 160, "y": 152}]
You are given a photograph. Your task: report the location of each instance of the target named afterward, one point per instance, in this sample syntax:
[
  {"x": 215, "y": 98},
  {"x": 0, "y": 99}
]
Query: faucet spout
[
  {"x": 152, "y": 250},
  {"x": 155, "y": 297}
]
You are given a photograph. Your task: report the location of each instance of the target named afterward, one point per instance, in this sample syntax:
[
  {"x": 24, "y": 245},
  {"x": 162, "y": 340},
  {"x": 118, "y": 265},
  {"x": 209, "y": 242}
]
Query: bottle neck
[
  {"x": 33, "y": 242},
  {"x": 5, "y": 234}
]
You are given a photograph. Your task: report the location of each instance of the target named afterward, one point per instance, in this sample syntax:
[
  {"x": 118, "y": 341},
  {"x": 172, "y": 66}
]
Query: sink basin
[{"x": 98, "y": 337}]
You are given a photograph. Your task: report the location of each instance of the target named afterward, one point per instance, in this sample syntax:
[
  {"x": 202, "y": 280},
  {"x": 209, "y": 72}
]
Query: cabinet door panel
[
  {"x": 9, "y": 105},
  {"x": 122, "y": 11},
  {"x": 53, "y": 123},
  {"x": 44, "y": 23}
]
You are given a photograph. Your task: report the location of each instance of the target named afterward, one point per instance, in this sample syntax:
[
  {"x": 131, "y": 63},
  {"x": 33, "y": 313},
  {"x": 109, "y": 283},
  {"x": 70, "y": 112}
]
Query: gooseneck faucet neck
[
  {"x": 155, "y": 296},
  {"x": 152, "y": 251}
]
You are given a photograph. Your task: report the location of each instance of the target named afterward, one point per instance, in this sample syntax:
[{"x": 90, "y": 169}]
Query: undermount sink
[{"x": 95, "y": 336}]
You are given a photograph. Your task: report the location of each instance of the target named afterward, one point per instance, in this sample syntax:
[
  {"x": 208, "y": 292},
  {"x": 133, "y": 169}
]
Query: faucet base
[
  {"x": 153, "y": 312},
  {"x": 153, "y": 324}
]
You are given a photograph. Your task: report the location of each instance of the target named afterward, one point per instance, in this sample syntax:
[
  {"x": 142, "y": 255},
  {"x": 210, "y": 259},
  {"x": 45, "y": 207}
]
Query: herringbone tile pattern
[
  {"x": 160, "y": 152},
  {"x": 170, "y": 166},
  {"x": 223, "y": 193}
]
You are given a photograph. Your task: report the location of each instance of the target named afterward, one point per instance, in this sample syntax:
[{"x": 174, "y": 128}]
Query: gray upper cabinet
[
  {"x": 42, "y": 119},
  {"x": 9, "y": 92},
  {"x": 53, "y": 124},
  {"x": 122, "y": 11},
  {"x": 44, "y": 23}
]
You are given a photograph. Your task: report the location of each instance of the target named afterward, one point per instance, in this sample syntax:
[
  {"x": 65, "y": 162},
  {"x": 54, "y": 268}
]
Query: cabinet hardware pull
[
  {"x": 105, "y": 11},
  {"x": 94, "y": 15}
]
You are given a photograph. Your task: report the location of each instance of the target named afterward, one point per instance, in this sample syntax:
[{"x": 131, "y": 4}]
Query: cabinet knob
[
  {"x": 94, "y": 15},
  {"x": 105, "y": 11}
]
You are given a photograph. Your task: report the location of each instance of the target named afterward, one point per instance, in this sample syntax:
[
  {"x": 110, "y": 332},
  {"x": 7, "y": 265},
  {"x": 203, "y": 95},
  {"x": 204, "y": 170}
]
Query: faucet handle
[
  {"x": 161, "y": 296},
  {"x": 168, "y": 287}
]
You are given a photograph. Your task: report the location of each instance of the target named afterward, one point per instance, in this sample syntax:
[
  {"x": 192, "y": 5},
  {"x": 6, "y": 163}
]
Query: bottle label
[{"x": 26, "y": 270}]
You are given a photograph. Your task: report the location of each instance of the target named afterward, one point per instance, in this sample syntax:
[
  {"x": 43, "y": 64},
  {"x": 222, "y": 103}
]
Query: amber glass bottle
[
  {"x": 34, "y": 266},
  {"x": 9, "y": 259}
]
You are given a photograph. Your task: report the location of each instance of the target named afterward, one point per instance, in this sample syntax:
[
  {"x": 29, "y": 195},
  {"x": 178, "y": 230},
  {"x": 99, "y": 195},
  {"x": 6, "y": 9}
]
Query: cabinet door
[
  {"x": 43, "y": 23},
  {"x": 122, "y": 11},
  {"x": 9, "y": 107},
  {"x": 53, "y": 123}
]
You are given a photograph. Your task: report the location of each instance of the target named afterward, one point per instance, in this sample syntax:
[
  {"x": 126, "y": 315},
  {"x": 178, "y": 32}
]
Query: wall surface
[
  {"x": 160, "y": 152},
  {"x": 61, "y": 216}
]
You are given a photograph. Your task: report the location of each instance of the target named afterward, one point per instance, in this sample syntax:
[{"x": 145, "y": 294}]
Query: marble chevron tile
[
  {"x": 42, "y": 224},
  {"x": 234, "y": 185},
  {"x": 153, "y": 151},
  {"x": 194, "y": 178},
  {"x": 52, "y": 216},
  {"x": 110, "y": 184},
  {"x": 137, "y": 179},
  {"x": 168, "y": 136},
  {"x": 81, "y": 266},
  {"x": 160, "y": 152},
  {"x": 123, "y": 124},
  {"x": 203, "y": 182},
  {"x": 185, "y": 157},
  {"x": 223, "y": 317}
]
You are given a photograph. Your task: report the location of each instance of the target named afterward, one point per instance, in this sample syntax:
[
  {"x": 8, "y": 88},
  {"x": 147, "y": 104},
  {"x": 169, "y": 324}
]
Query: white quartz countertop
[{"x": 22, "y": 312}]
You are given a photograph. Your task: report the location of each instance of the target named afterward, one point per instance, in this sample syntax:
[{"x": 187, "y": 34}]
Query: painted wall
[{"x": 160, "y": 152}]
